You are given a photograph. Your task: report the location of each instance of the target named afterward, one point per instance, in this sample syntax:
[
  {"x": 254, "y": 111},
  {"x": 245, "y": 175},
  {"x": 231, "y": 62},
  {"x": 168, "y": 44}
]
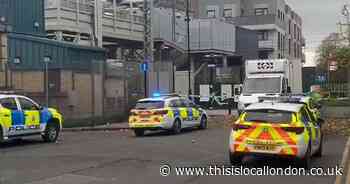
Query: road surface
[{"x": 119, "y": 157}]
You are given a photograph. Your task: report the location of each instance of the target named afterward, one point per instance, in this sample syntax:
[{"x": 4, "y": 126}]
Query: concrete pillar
[
  {"x": 98, "y": 14},
  {"x": 193, "y": 78},
  {"x": 224, "y": 61}
]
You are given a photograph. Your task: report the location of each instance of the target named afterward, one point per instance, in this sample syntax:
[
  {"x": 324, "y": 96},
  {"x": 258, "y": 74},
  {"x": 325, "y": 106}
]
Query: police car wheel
[
  {"x": 176, "y": 126},
  {"x": 203, "y": 123},
  {"x": 139, "y": 132},
  {"x": 234, "y": 159},
  {"x": 306, "y": 161},
  {"x": 1, "y": 135},
  {"x": 320, "y": 149},
  {"x": 51, "y": 133}
]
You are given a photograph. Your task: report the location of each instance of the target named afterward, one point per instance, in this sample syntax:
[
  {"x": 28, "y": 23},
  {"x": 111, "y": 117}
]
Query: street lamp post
[{"x": 47, "y": 60}]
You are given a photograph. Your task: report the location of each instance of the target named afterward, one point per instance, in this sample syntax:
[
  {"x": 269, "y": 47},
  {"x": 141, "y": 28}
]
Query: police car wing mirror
[
  {"x": 318, "y": 106},
  {"x": 40, "y": 107},
  {"x": 289, "y": 89}
]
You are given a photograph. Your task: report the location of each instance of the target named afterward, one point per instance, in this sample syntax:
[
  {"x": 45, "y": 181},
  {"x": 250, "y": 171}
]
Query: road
[{"x": 119, "y": 157}]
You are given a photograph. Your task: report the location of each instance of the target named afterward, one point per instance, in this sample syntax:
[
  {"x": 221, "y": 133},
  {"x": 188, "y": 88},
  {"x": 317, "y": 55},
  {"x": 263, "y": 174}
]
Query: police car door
[
  {"x": 11, "y": 117},
  {"x": 316, "y": 130},
  {"x": 193, "y": 113},
  {"x": 309, "y": 127},
  {"x": 31, "y": 115},
  {"x": 183, "y": 109}
]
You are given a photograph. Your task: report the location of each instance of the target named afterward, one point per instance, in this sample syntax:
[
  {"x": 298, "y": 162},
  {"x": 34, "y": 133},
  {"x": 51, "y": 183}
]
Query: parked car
[{"x": 21, "y": 116}]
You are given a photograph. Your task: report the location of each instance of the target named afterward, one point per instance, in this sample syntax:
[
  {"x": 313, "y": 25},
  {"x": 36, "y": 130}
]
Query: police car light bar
[
  {"x": 282, "y": 99},
  {"x": 165, "y": 95}
]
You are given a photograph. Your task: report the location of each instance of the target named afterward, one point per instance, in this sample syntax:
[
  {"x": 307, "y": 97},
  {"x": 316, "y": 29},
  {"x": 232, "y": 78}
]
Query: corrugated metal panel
[
  {"x": 32, "y": 50},
  {"x": 22, "y": 15},
  {"x": 213, "y": 34}
]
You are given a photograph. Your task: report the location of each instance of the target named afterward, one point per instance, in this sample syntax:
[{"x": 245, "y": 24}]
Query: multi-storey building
[{"x": 279, "y": 27}]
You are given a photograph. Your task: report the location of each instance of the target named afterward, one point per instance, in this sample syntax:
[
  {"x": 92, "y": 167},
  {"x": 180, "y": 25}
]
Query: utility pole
[
  {"x": 148, "y": 39},
  {"x": 188, "y": 47}
]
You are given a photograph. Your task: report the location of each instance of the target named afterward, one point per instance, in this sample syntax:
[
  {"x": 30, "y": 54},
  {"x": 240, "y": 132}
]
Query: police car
[
  {"x": 166, "y": 112},
  {"x": 20, "y": 116},
  {"x": 309, "y": 103},
  {"x": 276, "y": 129}
]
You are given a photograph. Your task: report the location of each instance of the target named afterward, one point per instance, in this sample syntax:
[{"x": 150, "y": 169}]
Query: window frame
[
  {"x": 263, "y": 35},
  {"x": 228, "y": 9},
  {"x": 211, "y": 11},
  {"x": 15, "y": 101},
  {"x": 37, "y": 107},
  {"x": 261, "y": 11}
]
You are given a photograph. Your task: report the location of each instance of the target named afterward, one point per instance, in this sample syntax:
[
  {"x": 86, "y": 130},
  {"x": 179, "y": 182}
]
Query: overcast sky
[{"x": 319, "y": 20}]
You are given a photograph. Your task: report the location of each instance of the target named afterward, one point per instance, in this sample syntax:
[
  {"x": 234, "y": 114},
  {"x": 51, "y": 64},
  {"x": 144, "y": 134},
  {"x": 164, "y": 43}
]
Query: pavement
[
  {"x": 113, "y": 157},
  {"x": 215, "y": 115}
]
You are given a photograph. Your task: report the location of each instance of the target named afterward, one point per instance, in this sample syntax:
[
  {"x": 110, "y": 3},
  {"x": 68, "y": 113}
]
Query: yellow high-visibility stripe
[{"x": 5, "y": 118}]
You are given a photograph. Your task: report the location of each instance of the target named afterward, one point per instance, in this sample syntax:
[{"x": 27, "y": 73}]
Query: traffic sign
[{"x": 144, "y": 67}]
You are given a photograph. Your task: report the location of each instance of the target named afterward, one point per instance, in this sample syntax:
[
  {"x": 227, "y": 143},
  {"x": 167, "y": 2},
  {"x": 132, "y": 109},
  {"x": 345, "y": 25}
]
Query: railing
[
  {"x": 336, "y": 89},
  {"x": 108, "y": 10},
  {"x": 257, "y": 20}
]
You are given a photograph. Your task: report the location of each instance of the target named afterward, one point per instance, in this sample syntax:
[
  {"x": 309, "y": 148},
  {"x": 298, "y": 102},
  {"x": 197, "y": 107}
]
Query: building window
[
  {"x": 227, "y": 12},
  {"x": 261, "y": 11},
  {"x": 290, "y": 26},
  {"x": 263, "y": 35},
  {"x": 211, "y": 13},
  {"x": 290, "y": 47},
  {"x": 263, "y": 55},
  {"x": 279, "y": 14}
]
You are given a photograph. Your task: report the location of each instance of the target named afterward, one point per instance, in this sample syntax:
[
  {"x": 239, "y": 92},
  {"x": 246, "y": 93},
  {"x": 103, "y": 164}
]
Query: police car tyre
[
  {"x": 176, "y": 126},
  {"x": 139, "y": 132},
  {"x": 1, "y": 135},
  {"x": 51, "y": 133},
  {"x": 306, "y": 161},
  {"x": 234, "y": 159},
  {"x": 204, "y": 123},
  {"x": 320, "y": 148}
]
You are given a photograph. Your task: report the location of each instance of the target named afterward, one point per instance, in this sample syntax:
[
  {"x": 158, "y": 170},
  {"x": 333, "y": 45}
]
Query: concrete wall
[
  {"x": 29, "y": 81},
  {"x": 81, "y": 94},
  {"x": 165, "y": 78},
  {"x": 247, "y": 43}
]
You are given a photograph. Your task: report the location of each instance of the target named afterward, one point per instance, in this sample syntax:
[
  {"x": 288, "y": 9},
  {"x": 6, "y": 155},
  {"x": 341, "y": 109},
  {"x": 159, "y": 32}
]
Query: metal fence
[{"x": 336, "y": 89}]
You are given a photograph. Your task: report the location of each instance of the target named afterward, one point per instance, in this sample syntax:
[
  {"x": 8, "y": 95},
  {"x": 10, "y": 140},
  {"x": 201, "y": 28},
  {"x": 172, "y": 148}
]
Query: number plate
[{"x": 264, "y": 147}]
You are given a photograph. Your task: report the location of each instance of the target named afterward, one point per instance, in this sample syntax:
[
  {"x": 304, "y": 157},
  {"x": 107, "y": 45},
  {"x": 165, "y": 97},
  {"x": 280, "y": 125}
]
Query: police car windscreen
[
  {"x": 268, "y": 116},
  {"x": 150, "y": 105},
  {"x": 262, "y": 85}
]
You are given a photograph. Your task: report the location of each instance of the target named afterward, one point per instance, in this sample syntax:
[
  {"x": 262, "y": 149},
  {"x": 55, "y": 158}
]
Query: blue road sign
[{"x": 144, "y": 67}]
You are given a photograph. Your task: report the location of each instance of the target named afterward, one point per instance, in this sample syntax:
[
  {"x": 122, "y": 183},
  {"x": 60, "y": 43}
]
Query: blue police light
[{"x": 156, "y": 94}]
